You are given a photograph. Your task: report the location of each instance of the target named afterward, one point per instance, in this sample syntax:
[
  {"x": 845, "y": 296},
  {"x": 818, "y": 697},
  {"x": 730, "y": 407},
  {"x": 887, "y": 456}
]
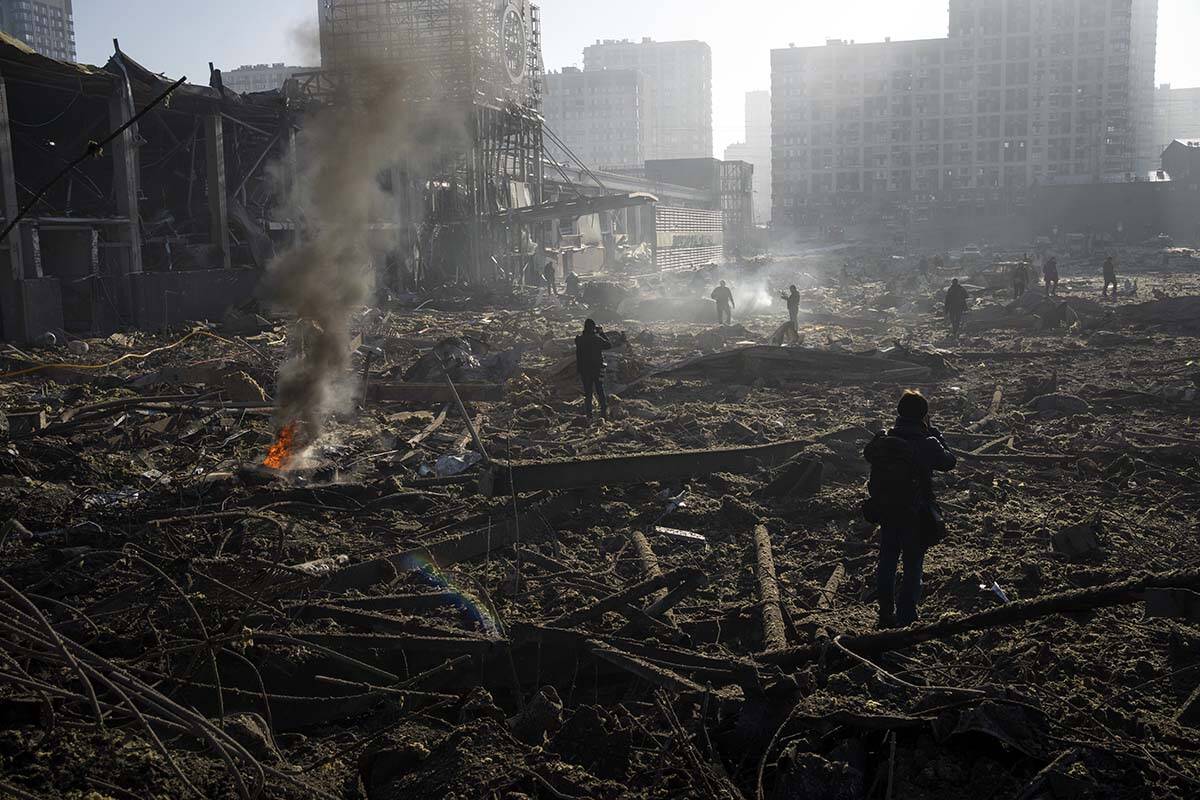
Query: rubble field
[{"x": 676, "y": 603}]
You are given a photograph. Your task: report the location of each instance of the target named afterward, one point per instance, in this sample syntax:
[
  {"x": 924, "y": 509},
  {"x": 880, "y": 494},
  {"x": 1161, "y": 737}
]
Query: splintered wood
[{"x": 773, "y": 632}]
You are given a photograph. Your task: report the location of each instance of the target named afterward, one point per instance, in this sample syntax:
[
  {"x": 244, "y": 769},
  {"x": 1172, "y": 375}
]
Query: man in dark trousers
[
  {"x": 1020, "y": 278},
  {"x": 573, "y": 286},
  {"x": 792, "y": 298},
  {"x": 589, "y": 360},
  {"x": 551, "y": 276},
  {"x": 1050, "y": 275},
  {"x": 911, "y": 527},
  {"x": 725, "y": 304},
  {"x": 956, "y": 306},
  {"x": 1110, "y": 277}
]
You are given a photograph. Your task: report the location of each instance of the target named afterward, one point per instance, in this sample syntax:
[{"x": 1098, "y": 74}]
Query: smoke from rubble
[{"x": 334, "y": 195}]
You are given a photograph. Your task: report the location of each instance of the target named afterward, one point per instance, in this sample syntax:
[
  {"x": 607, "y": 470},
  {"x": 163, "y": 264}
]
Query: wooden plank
[
  {"x": 831, "y": 587},
  {"x": 770, "y": 611},
  {"x": 628, "y": 595},
  {"x": 1014, "y": 613},
  {"x": 500, "y": 478},
  {"x": 431, "y": 427}
]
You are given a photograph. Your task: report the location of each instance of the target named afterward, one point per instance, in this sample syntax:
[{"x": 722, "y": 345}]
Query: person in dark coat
[
  {"x": 1050, "y": 275},
  {"x": 792, "y": 298},
  {"x": 551, "y": 276},
  {"x": 909, "y": 537},
  {"x": 956, "y": 306},
  {"x": 1110, "y": 277},
  {"x": 725, "y": 304},
  {"x": 1020, "y": 278},
  {"x": 589, "y": 360}
]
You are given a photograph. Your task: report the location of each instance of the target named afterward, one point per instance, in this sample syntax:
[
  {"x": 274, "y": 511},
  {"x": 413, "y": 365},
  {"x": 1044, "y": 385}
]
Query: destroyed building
[{"x": 164, "y": 223}]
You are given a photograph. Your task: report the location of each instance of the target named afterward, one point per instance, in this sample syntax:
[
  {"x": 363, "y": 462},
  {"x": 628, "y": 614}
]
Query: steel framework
[{"x": 481, "y": 55}]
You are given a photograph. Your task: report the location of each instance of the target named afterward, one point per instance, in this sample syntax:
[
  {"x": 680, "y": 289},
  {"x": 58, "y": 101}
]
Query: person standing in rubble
[
  {"x": 903, "y": 504},
  {"x": 1110, "y": 277},
  {"x": 792, "y": 298},
  {"x": 1020, "y": 279},
  {"x": 551, "y": 276},
  {"x": 589, "y": 361},
  {"x": 956, "y": 306},
  {"x": 725, "y": 304},
  {"x": 1050, "y": 275}
]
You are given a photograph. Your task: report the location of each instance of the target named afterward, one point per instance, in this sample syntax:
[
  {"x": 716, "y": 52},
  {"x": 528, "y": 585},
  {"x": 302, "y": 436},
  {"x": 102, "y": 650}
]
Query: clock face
[{"x": 515, "y": 44}]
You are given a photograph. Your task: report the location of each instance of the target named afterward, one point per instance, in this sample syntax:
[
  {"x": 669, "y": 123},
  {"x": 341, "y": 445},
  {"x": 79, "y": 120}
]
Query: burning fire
[{"x": 284, "y": 448}]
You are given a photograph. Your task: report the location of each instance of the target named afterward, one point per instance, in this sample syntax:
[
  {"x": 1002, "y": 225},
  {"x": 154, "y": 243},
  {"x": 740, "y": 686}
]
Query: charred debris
[
  {"x": 432, "y": 578},
  {"x": 462, "y": 589}
]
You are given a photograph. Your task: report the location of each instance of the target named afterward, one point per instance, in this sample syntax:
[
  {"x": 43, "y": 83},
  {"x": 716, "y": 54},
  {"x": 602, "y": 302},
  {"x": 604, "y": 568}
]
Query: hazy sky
[{"x": 180, "y": 37}]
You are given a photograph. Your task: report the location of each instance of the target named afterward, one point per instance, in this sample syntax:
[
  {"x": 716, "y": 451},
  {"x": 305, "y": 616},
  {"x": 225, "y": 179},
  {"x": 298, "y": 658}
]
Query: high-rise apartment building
[
  {"x": 597, "y": 114},
  {"x": 676, "y": 92},
  {"x": 756, "y": 150},
  {"x": 48, "y": 26},
  {"x": 1021, "y": 92},
  {"x": 260, "y": 77}
]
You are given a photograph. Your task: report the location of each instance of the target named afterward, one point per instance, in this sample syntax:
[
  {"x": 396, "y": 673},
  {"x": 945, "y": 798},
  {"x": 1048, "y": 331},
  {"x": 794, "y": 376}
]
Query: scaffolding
[
  {"x": 737, "y": 202},
  {"x": 481, "y": 51},
  {"x": 483, "y": 56}
]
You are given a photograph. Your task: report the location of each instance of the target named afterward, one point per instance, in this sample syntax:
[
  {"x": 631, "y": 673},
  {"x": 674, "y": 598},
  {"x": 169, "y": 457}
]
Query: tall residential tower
[
  {"x": 48, "y": 26},
  {"x": 1021, "y": 92},
  {"x": 677, "y": 119}
]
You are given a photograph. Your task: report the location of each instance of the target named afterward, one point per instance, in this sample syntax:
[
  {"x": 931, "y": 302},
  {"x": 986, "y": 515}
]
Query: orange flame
[{"x": 283, "y": 450}]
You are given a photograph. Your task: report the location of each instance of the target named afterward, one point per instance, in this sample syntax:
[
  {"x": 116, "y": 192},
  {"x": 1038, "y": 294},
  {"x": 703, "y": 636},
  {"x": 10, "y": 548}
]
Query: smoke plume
[{"x": 334, "y": 195}]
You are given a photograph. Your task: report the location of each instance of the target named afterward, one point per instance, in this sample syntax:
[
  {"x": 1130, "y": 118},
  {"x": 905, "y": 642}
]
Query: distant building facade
[
  {"x": 1020, "y": 93},
  {"x": 677, "y": 120},
  {"x": 756, "y": 150},
  {"x": 48, "y": 26},
  {"x": 597, "y": 113},
  {"x": 260, "y": 77},
  {"x": 1176, "y": 115}
]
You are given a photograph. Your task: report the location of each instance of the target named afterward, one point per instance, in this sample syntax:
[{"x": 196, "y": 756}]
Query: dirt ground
[{"x": 178, "y": 621}]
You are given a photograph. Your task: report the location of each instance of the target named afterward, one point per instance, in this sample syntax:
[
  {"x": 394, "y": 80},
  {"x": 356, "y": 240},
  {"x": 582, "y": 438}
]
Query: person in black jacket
[
  {"x": 909, "y": 535},
  {"x": 725, "y": 304},
  {"x": 589, "y": 359},
  {"x": 792, "y": 298},
  {"x": 956, "y": 306}
]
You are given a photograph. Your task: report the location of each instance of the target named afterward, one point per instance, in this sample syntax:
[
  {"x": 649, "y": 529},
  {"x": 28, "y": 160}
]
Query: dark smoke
[{"x": 334, "y": 197}]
